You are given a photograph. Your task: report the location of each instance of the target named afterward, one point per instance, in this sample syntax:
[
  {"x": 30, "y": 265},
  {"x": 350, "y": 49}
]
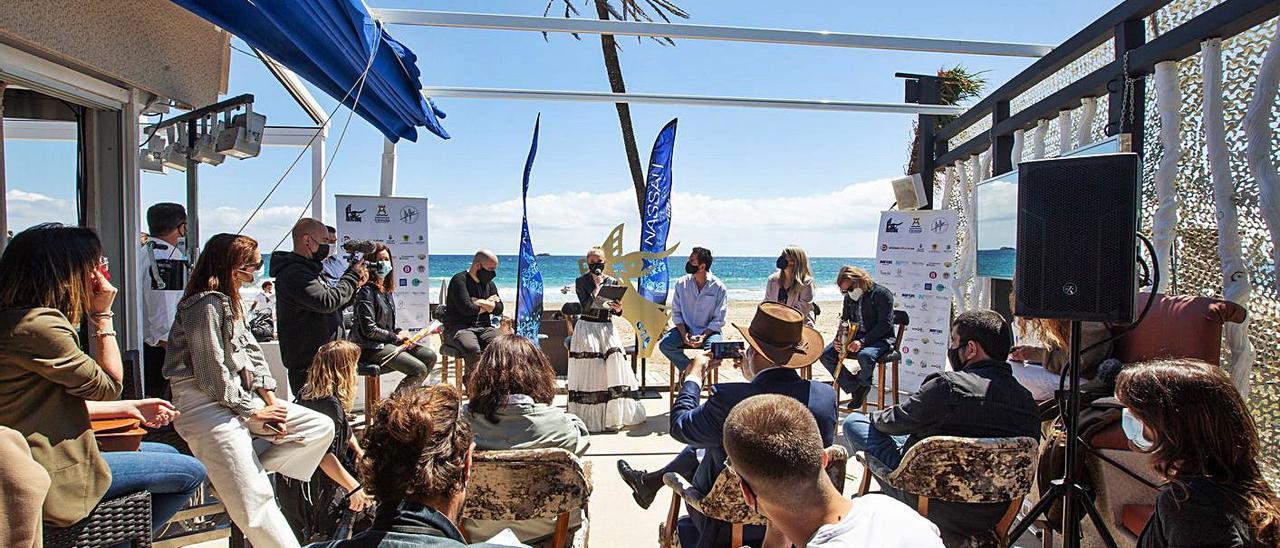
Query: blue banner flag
[
  {"x": 656, "y": 217},
  {"x": 529, "y": 278}
]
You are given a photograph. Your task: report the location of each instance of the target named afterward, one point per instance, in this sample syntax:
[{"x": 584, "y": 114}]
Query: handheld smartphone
[
  {"x": 104, "y": 268},
  {"x": 726, "y": 350},
  {"x": 273, "y": 427}
]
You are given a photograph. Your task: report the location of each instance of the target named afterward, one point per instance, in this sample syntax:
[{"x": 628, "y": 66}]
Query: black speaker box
[{"x": 1077, "y": 225}]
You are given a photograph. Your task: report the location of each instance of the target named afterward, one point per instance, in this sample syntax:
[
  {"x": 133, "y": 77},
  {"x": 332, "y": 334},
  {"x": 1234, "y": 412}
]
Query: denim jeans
[
  {"x": 866, "y": 364},
  {"x": 171, "y": 478},
  {"x": 672, "y": 346},
  {"x": 860, "y": 435}
]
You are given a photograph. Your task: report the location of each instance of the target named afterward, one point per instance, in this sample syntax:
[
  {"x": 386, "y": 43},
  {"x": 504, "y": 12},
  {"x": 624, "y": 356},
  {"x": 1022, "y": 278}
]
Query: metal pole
[
  {"x": 193, "y": 199},
  {"x": 318, "y": 192},
  {"x": 388, "y": 183},
  {"x": 4, "y": 192},
  {"x": 1002, "y": 160}
]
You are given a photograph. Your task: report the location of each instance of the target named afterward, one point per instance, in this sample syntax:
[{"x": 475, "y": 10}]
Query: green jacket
[{"x": 529, "y": 426}]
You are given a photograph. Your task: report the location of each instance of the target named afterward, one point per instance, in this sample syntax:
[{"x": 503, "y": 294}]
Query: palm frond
[{"x": 631, "y": 10}]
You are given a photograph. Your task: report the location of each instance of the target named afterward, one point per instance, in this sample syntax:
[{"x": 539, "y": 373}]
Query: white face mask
[
  {"x": 855, "y": 293},
  {"x": 1134, "y": 430}
]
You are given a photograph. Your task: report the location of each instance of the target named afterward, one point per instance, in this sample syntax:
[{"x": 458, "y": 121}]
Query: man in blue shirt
[{"x": 698, "y": 307}]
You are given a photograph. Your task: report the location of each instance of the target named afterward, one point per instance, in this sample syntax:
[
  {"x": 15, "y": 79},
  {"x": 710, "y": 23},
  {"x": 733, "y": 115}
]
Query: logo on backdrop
[
  {"x": 915, "y": 226},
  {"x": 939, "y": 225},
  {"x": 355, "y": 215},
  {"x": 381, "y": 216},
  {"x": 409, "y": 214},
  {"x": 890, "y": 226}
]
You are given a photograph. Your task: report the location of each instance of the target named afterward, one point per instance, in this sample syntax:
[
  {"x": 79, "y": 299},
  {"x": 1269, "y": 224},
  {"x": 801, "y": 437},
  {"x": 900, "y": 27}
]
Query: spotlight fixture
[
  {"x": 150, "y": 158},
  {"x": 175, "y": 153},
  {"x": 242, "y": 137},
  {"x": 205, "y": 149}
]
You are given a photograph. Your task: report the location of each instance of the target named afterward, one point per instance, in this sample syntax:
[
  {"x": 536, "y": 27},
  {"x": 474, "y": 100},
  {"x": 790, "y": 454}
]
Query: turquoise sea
[{"x": 745, "y": 276}]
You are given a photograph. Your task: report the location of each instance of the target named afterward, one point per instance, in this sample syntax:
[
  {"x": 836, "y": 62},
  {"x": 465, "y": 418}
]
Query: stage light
[
  {"x": 205, "y": 149},
  {"x": 149, "y": 158},
  {"x": 175, "y": 153},
  {"x": 242, "y": 138}
]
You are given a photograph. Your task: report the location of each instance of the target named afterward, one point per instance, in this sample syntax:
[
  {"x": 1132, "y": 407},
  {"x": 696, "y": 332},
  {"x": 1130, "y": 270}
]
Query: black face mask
[
  {"x": 689, "y": 268},
  {"x": 321, "y": 253},
  {"x": 485, "y": 275},
  {"x": 953, "y": 354},
  {"x": 782, "y": 262},
  {"x": 595, "y": 268}
]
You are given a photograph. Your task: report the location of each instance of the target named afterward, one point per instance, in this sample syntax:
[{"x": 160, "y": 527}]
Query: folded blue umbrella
[{"x": 328, "y": 42}]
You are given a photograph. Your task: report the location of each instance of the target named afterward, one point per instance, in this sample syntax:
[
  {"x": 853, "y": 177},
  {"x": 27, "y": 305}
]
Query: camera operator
[
  {"x": 162, "y": 269},
  {"x": 308, "y": 308}
]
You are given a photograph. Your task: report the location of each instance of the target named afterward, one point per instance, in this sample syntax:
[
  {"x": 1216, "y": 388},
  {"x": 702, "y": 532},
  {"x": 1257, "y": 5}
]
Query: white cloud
[
  {"x": 27, "y": 209},
  {"x": 268, "y": 226}
]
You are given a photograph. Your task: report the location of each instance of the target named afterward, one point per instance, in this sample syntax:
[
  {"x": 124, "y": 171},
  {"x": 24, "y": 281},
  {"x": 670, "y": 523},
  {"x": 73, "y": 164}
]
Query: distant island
[
  {"x": 544, "y": 254},
  {"x": 1006, "y": 248}
]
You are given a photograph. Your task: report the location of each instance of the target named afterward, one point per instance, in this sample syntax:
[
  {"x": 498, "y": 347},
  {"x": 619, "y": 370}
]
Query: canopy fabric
[{"x": 328, "y": 42}]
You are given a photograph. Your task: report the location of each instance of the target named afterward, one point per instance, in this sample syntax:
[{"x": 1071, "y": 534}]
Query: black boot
[
  {"x": 858, "y": 396},
  {"x": 643, "y": 489}
]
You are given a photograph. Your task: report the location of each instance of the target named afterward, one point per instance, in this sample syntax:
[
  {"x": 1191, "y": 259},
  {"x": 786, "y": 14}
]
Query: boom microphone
[{"x": 359, "y": 246}]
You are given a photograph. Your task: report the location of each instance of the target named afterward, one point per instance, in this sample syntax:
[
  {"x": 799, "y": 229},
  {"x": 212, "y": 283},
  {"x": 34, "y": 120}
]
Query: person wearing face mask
[
  {"x": 1201, "y": 437},
  {"x": 374, "y": 328},
  {"x": 470, "y": 305},
  {"x": 602, "y": 387},
  {"x": 699, "y": 304},
  {"x": 162, "y": 269},
  {"x": 308, "y": 307},
  {"x": 778, "y": 343},
  {"x": 978, "y": 398},
  {"x": 869, "y": 305},
  {"x": 230, "y": 417},
  {"x": 792, "y": 284},
  {"x": 334, "y": 266}
]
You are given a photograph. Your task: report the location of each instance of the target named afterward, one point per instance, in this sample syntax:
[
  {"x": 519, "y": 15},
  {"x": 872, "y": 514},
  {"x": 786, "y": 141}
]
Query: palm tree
[
  {"x": 958, "y": 84},
  {"x": 632, "y": 10}
]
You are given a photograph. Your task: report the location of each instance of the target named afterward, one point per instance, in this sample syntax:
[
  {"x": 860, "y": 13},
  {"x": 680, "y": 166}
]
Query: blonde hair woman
[
  {"x": 792, "y": 284},
  {"x": 313, "y": 508},
  {"x": 602, "y": 387}
]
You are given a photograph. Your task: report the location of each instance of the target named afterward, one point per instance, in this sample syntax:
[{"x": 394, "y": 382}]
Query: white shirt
[
  {"x": 265, "y": 302},
  {"x": 880, "y": 521},
  {"x": 159, "y": 306}
]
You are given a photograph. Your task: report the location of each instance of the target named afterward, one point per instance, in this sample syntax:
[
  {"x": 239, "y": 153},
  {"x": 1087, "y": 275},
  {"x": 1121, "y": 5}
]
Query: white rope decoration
[
  {"x": 1165, "y": 224},
  {"x": 962, "y": 266},
  {"x": 1037, "y": 141},
  {"x": 1019, "y": 142},
  {"x": 1064, "y": 132},
  {"x": 1235, "y": 276},
  {"x": 978, "y": 296},
  {"x": 1088, "y": 109},
  {"x": 948, "y": 186},
  {"x": 1257, "y": 131},
  {"x": 971, "y": 233}
]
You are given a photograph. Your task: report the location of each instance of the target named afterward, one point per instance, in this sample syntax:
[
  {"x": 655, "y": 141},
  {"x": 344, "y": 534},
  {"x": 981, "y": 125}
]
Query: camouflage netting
[{"x": 1196, "y": 268}]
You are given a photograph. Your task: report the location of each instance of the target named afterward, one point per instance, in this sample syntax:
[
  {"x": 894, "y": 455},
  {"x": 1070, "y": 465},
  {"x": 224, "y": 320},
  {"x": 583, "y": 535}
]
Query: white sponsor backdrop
[
  {"x": 401, "y": 223},
  {"x": 915, "y": 258}
]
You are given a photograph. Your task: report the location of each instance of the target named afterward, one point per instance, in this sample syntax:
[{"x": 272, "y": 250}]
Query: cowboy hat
[{"x": 778, "y": 334}]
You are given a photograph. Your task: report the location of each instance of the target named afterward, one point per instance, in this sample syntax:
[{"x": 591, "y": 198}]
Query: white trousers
[{"x": 237, "y": 460}]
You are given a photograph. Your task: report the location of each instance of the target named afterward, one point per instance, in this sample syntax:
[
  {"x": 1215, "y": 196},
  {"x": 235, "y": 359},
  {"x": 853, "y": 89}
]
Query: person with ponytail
[
  {"x": 221, "y": 383},
  {"x": 1193, "y": 423}
]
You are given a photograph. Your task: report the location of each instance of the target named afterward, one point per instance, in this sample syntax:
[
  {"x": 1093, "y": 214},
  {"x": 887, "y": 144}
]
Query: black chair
[{"x": 120, "y": 520}]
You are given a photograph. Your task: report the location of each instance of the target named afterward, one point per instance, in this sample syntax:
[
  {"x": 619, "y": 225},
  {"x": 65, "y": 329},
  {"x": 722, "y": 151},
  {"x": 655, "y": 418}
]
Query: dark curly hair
[
  {"x": 510, "y": 365},
  {"x": 417, "y": 447}
]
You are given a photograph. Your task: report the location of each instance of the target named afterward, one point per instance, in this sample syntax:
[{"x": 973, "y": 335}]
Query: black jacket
[
  {"x": 374, "y": 318},
  {"x": 308, "y": 309},
  {"x": 584, "y": 286},
  {"x": 1199, "y": 512},
  {"x": 982, "y": 401},
  {"x": 874, "y": 314},
  {"x": 460, "y": 312}
]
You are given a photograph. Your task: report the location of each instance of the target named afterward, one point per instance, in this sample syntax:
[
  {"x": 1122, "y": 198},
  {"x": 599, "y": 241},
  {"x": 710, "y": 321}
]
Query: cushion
[
  {"x": 1196, "y": 320},
  {"x": 1134, "y": 517},
  {"x": 1111, "y": 437},
  {"x": 975, "y": 470},
  {"x": 526, "y": 484},
  {"x": 368, "y": 369}
]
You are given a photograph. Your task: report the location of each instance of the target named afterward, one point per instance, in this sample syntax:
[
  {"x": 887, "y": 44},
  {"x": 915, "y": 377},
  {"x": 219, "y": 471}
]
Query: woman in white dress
[
  {"x": 602, "y": 387},
  {"x": 792, "y": 284}
]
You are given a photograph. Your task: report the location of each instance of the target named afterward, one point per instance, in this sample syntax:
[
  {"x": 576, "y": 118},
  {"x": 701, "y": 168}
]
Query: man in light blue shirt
[{"x": 698, "y": 308}]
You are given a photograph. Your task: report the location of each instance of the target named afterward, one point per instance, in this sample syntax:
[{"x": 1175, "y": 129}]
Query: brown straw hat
[{"x": 778, "y": 333}]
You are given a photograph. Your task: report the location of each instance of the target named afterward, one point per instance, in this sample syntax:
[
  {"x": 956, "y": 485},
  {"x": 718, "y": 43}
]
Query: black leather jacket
[{"x": 374, "y": 315}]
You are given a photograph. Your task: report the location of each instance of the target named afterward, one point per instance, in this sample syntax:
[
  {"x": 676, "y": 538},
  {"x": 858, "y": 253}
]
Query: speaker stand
[{"x": 1077, "y": 502}]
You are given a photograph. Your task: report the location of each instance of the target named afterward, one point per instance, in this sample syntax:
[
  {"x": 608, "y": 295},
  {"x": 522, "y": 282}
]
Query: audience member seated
[
  {"x": 309, "y": 304},
  {"x": 1202, "y": 438},
  {"x": 1039, "y": 365},
  {"x": 870, "y": 306},
  {"x": 773, "y": 444},
  {"x": 314, "y": 507},
  {"x": 51, "y": 278},
  {"x": 699, "y": 303},
  {"x": 792, "y": 284},
  {"x": 417, "y": 461},
  {"x": 778, "y": 343},
  {"x": 23, "y": 486},
  {"x": 375, "y": 330},
  {"x": 979, "y": 398},
  {"x": 511, "y": 391},
  {"x": 470, "y": 306},
  {"x": 222, "y": 385}
]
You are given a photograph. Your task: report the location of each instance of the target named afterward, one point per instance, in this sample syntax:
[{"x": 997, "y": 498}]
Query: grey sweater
[{"x": 209, "y": 344}]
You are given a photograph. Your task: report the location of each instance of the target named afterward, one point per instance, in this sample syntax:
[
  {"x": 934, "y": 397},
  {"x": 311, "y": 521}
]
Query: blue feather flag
[
  {"x": 529, "y": 277},
  {"x": 656, "y": 221}
]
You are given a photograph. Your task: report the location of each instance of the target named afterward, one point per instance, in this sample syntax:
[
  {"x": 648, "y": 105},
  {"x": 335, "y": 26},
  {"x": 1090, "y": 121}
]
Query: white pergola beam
[
  {"x": 704, "y": 32},
  {"x": 690, "y": 100},
  {"x": 49, "y": 130}
]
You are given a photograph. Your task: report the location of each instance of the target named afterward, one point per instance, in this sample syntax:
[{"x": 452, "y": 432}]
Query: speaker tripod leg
[
  {"x": 1094, "y": 515},
  {"x": 1040, "y": 509}
]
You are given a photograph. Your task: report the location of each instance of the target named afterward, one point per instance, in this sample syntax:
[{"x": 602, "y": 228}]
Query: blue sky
[{"x": 747, "y": 181}]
